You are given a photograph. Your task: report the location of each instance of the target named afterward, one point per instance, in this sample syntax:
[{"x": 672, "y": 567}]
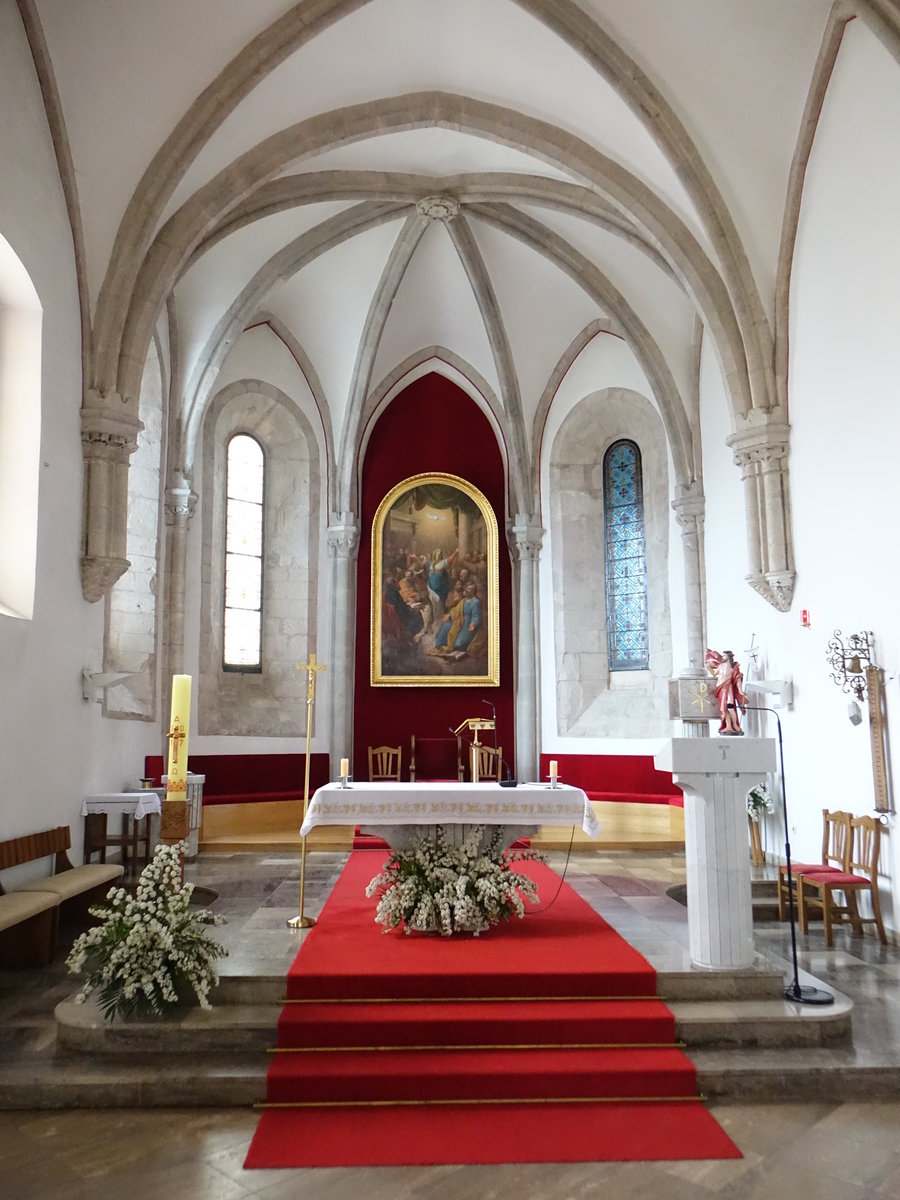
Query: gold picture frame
[{"x": 435, "y": 586}]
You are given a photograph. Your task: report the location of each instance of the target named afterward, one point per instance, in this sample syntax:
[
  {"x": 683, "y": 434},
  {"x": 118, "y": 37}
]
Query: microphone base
[{"x": 509, "y": 783}]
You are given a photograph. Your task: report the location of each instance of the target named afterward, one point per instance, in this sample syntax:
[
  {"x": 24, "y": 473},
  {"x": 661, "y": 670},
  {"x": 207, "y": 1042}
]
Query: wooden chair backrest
[
  {"x": 865, "y": 844},
  {"x": 490, "y": 761},
  {"x": 19, "y": 850},
  {"x": 836, "y": 839},
  {"x": 385, "y": 762}
]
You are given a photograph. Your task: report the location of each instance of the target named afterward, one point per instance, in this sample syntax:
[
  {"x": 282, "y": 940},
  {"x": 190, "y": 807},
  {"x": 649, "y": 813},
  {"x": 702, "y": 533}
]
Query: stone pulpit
[{"x": 716, "y": 774}]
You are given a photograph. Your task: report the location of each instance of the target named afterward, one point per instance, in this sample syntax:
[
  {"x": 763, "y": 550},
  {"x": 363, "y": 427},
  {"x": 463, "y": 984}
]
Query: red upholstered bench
[
  {"x": 631, "y": 778},
  {"x": 249, "y": 778}
]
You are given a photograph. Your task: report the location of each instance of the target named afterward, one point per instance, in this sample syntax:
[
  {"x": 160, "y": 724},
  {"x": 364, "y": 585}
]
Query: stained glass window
[
  {"x": 626, "y": 564},
  {"x": 244, "y": 485}
]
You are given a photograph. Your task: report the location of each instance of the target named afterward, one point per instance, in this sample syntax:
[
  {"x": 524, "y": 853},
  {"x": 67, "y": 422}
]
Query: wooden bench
[{"x": 29, "y": 916}]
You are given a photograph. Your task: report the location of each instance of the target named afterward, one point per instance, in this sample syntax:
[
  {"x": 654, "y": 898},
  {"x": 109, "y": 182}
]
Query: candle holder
[
  {"x": 554, "y": 781},
  {"x": 344, "y": 783}
]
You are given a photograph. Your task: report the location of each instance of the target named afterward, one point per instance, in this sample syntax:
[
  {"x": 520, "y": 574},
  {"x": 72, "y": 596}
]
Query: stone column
[
  {"x": 761, "y": 451},
  {"x": 179, "y": 504},
  {"x": 109, "y": 433},
  {"x": 343, "y": 546},
  {"x": 715, "y": 775},
  {"x": 526, "y": 536}
]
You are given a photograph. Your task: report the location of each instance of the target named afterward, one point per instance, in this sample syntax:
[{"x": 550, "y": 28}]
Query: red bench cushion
[
  {"x": 616, "y": 777},
  {"x": 241, "y": 778}
]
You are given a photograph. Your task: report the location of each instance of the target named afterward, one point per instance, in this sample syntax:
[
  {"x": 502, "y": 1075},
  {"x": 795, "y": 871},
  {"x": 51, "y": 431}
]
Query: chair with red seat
[
  {"x": 835, "y": 857},
  {"x": 817, "y": 889}
]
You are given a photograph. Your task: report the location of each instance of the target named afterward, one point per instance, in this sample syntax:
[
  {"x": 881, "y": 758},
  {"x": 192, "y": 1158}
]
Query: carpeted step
[
  {"x": 479, "y": 1075},
  {"x": 505, "y": 1133},
  {"x": 483, "y": 1023}
]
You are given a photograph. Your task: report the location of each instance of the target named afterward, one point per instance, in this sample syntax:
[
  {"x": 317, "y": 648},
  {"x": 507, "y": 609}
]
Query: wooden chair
[
  {"x": 816, "y": 889},
  {"x": 385, "y": 762},
  {"x": 489, "y": 761},
  {"x": 835, "y": 857}
]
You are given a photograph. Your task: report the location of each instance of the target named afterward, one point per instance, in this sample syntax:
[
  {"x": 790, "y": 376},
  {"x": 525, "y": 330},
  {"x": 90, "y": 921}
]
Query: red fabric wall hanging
[{"x": 432, "y": 425}]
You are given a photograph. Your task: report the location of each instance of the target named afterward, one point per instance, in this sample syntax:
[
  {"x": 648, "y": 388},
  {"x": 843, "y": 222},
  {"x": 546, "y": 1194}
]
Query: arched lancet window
[
  {"x": 626, "y": 563},
  {"x": 244, "y": 493}
]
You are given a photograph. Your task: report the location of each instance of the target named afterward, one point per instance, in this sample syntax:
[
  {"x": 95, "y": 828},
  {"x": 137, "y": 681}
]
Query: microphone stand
[
  {"x": 490, "y": 705},
  {"x": 805, "y": 994}
]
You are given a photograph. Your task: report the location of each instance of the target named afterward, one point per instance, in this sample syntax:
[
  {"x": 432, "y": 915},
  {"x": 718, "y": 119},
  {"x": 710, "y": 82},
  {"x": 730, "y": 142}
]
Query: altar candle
[
  {"x": 345, "y": 767},
  {"x": 554, "y": 769},
  {"x": 176, "y": 782}
]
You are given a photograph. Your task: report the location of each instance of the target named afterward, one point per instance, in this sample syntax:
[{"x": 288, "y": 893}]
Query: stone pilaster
[
  {"x": 180, "y": 504},
  {"x": 343, "y": 547},
  {"x": 525, "y": 538},
  {"x": 761, "y": 451},
  {"x": 109, "y": 433},
  {"x": 689, "y": 692}
]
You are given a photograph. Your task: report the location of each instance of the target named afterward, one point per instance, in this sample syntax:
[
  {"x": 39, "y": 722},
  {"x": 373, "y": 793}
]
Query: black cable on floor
[{"x": 533, "y": 912}]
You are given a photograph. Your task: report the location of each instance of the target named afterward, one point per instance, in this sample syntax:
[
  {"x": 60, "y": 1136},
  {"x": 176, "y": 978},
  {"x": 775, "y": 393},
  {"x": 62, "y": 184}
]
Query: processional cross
[{"x": 301, "y": 921}]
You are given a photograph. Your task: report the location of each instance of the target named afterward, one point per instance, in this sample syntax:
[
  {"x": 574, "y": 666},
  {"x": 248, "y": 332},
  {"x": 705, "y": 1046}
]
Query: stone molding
[
  {"x": 342, "y": 535},
  {"x": 109, "y": 434},
  {"x": 180, "y": 500},
  {"x": 761, "y": 448},
  {"x": 438, "y": 208},
  {"x": 526, "y": 536}
]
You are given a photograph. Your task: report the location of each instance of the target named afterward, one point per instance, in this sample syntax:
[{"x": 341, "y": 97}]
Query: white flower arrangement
[
  {"x": 433, "y": 885},
  {"x": 759, "y": 801},
  {"x": 151, "y": 949}
]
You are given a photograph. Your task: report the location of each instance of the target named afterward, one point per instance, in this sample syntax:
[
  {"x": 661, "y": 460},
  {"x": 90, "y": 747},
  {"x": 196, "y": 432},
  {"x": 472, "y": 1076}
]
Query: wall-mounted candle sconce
[{"x": 848, "y": 658}]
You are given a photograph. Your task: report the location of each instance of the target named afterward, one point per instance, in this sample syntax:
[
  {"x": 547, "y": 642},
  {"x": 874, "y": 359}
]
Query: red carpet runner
[{"x": 540, "y": 1041}]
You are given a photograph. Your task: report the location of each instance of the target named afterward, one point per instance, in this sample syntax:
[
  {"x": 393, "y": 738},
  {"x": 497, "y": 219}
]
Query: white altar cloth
[
  {"x": 129, "y": 804},
  {"x": 389, "y": 803}
]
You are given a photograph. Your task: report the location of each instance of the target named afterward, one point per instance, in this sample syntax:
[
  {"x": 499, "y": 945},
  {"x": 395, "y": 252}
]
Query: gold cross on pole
[{"x": 312, "y": 667}]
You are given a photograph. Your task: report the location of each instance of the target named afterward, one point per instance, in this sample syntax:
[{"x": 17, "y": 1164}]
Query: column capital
[
  {"x": 108, "y": 426},
  {"x": 761, "y": 438},
  {"x": 689, "y": 507},
  {"x": 342, "y": 535},
  {"x": 180, "y": 499},
  {"x": 526, "y": 534}
]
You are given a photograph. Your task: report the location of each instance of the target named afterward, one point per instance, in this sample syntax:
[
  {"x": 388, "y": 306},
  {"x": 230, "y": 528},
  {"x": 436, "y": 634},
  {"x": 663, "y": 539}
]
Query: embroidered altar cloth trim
[
  {"x": 131, "y": 804},
  {"x": 450, "y": 804}
]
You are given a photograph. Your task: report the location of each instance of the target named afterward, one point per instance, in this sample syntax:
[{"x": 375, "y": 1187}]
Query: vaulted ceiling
[{"x": 363, "y": 179}]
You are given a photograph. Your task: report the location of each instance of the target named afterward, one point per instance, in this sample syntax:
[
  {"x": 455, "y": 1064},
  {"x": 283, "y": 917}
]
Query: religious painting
[{"x": 435, "y": 586}]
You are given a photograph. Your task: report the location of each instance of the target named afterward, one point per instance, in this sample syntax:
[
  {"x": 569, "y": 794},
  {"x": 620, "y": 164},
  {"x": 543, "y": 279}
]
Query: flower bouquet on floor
[
  {"x": 438, "y": 887},
  {"x": 151, "y": 950}
]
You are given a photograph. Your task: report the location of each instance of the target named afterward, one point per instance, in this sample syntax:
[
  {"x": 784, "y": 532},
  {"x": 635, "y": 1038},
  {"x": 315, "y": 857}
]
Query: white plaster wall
[
  {"x": 49, "y": 747},
  {"x": 844, "y": 366}
]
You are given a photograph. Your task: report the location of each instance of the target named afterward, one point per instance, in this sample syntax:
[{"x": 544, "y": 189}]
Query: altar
[{"x": 402, "y": 812}]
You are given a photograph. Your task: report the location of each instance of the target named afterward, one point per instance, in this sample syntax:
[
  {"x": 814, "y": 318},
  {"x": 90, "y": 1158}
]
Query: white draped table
[
  {"x": 379, "y": 807},
  {"x": 132, "y": 808}
]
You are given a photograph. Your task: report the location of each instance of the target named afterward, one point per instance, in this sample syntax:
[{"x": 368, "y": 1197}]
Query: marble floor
[{"x": 819, "y": 1149}]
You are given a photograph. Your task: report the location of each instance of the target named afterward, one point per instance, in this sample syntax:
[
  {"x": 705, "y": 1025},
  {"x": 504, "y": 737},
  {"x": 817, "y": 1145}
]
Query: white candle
[
  {"x": 345, "y": 767},
  {"x": 554, "y": 768}
]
